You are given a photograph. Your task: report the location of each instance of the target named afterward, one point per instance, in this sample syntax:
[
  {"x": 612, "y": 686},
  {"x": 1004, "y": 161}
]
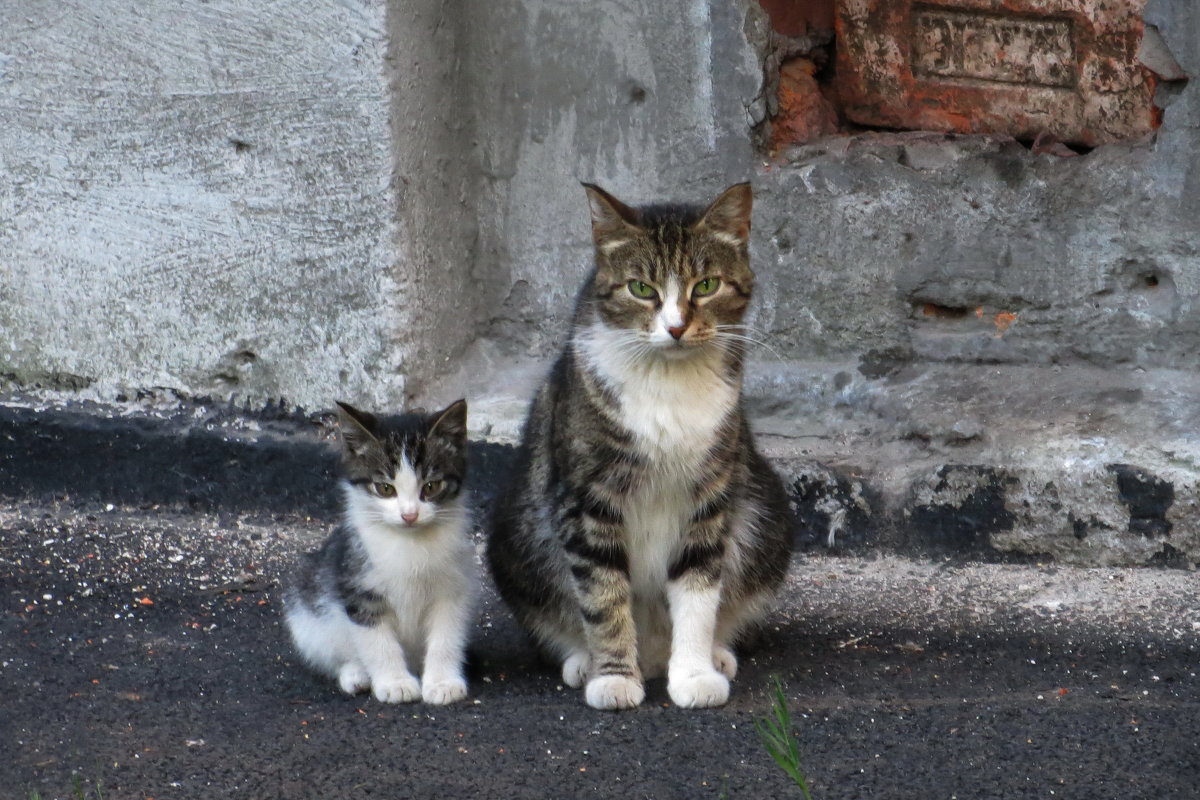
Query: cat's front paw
[
  {"x": 439, "y": 693},
  {"x": 725, "y": 661},
  {"x": 699, "y": 689},
  {"x": 396, "y": 689},
  {"x": 613, "y": 692},
  {"x": 575, "y": 669}
]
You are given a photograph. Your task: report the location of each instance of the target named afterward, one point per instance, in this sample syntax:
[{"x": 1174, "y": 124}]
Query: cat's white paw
[
  {"x": 725, "y": 661},
  {"x": 612, "y": 692},
  {"x": 440, "y": 693},
  {"x": 352, "y": 678},
  {"x": 575, "y": 669},
  {"x": 699, "y": 689},
  {"x": 396, "y": 689}
]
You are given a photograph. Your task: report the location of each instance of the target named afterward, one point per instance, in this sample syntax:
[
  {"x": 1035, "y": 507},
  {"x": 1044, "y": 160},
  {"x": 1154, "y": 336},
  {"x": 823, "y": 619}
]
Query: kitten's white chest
[{"x": 412, "y": 571}]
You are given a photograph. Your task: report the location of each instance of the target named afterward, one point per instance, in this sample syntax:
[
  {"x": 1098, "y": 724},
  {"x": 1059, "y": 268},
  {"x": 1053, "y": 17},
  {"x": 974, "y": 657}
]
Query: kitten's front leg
[
  {"x": 443, "y": 680},
  {"x": 381, "y": 654},
  {"x": 694, "y": 596},
  {"x": 600, "y": 574}
]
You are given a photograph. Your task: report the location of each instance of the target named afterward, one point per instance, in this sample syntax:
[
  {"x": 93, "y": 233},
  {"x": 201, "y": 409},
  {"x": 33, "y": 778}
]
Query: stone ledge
[{"x": 1075, "y": 464}]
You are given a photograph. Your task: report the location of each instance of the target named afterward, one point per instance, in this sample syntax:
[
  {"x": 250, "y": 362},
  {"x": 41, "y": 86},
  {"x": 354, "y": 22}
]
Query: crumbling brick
[
  {"x": 1066, "y": 68},
  {"x": 805, "y": 113}
]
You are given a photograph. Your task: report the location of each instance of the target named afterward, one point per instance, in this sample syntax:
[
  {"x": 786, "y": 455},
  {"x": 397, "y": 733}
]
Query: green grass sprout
[{"x": 778, "y": 737}]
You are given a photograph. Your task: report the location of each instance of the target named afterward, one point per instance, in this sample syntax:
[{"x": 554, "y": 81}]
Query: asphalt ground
[{"x": 142, "y": 654}]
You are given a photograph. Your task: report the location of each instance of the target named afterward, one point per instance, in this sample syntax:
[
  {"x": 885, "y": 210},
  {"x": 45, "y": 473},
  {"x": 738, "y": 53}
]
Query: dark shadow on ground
[{"x": 184, "y": 462}]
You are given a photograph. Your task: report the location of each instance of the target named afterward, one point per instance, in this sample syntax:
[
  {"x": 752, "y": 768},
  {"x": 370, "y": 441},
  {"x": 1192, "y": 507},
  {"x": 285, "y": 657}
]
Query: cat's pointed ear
[
  {"x": 612, "y": 220},
  {"x": 451, "y": 421},
  {"x": 728, "y": 218},
  {"x": 358, "y": 429}
]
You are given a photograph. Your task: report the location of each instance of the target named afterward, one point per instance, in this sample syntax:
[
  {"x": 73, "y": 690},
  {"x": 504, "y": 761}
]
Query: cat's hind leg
[
  {"x": 382, "y": 657},
  {"x": 322, "y": 639},
  {"x": 575, "y": 668},
  {"x": 725, "y": 660},
  {"x": 733, "y": 620},
  {"x": 352, "y": 678}
]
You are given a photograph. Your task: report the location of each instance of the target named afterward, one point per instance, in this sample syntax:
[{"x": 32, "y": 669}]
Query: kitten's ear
[
  {"x": 358, "y": 429},
  {"x": 451, "y": 422},
  {"x": 611, "y": 219},
  {"x": 728, "y": 218}
]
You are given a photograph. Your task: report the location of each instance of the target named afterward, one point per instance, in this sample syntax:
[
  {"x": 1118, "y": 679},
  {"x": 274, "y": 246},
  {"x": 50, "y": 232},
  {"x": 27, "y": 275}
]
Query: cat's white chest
[
  {"x": 674, "y": 415},
  {"x": 674, "y": 408}
]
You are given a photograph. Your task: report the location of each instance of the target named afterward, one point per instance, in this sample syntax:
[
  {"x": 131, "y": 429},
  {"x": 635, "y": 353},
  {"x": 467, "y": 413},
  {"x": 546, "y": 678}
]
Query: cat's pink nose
[
  {"x": 677, "y": 332},
  {"x": 409, "y": 517}
]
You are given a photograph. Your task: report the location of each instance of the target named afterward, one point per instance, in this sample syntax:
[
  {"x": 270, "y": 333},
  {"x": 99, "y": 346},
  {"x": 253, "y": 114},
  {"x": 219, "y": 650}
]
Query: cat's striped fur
[{"x": 643, "y": 530}]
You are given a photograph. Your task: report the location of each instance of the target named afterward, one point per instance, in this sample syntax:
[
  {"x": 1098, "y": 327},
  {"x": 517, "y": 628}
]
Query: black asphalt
[{"x": 141, "y": 653}]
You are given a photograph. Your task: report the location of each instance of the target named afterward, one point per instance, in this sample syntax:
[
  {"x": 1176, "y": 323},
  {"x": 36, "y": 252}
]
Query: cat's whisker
[{"x": 730, "y": 337}]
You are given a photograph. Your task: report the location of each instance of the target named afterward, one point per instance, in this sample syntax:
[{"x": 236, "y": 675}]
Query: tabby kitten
[
  {"x": 643, "y": 529},
  {"x": 390, "y": 590}
]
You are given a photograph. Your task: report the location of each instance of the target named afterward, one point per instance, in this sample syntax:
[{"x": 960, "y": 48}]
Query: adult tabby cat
[
  {"x": 643, "y": 530},
  {"x": 391, "y": 588}
]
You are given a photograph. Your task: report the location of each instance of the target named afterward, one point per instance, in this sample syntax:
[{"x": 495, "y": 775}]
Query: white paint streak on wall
[{"x": 705, "y": 107}]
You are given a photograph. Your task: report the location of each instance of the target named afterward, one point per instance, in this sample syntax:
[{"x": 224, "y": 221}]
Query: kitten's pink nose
[
  {"x": 409, "y": 517},
  {"x": 677, "y": 332}
]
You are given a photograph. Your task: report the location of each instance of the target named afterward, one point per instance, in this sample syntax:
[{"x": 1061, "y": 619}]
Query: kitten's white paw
[
  {"x": 725, "y": 661},
  {"x": 575, "y": 669},
  {"x": 441, "y": 692},
  {"x": 699, "y": 690},
  {"x": 396, "y": 689},
  {"x": 352, "y": 678},
  {"x": 612, "y": 692}
]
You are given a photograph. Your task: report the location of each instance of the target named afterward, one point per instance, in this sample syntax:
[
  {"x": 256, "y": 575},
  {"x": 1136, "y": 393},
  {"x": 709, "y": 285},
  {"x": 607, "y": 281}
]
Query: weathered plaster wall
[
  {"x": 198, "y": 197},
  {"x": 647, "y": 101},
  {"x": 432, "y": 297},
  {"x": 380, "y": 202}
]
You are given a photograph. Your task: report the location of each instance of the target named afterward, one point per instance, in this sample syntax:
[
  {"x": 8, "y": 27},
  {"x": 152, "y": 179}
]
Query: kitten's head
[
  {"x": 672, "y": 276},
  {"x": 405, "y": 471}
]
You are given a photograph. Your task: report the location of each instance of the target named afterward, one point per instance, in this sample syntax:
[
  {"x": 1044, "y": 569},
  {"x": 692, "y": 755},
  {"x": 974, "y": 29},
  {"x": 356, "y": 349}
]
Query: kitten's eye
[
  {"x": 706, "y": 287},
  {"x": 432, "y": 489},
  {"x": 642, "y": 290},
  {"x": 384, "y": 489}
]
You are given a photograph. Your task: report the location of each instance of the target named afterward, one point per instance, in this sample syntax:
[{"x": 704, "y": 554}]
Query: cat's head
[
  {"x": 405, "y": 471},
  {"x": 673, "y": 278}
]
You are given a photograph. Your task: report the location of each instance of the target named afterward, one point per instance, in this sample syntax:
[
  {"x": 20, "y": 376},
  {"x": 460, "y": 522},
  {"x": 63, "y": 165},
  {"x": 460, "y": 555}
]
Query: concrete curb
[{"x": 872, "y": 465}]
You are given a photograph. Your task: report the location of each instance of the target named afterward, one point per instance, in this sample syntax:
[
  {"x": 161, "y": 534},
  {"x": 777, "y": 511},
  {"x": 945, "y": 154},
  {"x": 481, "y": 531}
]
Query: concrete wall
[
  {"x": 648, "y": 102},
  {"x": 198, "y": 197},
  {"x": 379, "y": 201},
  {"x": 236, "y": 199},
  {"x": 909, "y": 246}
]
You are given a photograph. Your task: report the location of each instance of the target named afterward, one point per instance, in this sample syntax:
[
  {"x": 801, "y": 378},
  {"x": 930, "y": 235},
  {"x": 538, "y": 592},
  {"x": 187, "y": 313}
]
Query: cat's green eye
[
  {"x": 706, "y": 287},
  {"x": 432, "y": 489},
  {"x": 642, "y": 290},
  {"x": 385, "y": 489}
]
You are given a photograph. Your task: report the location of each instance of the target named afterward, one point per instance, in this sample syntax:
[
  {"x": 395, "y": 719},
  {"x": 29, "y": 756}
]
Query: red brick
[
  {"x": 1066, "y": 68},
  {"x": 804, "y": 112},
  {"x": 798, "y": 17}
]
